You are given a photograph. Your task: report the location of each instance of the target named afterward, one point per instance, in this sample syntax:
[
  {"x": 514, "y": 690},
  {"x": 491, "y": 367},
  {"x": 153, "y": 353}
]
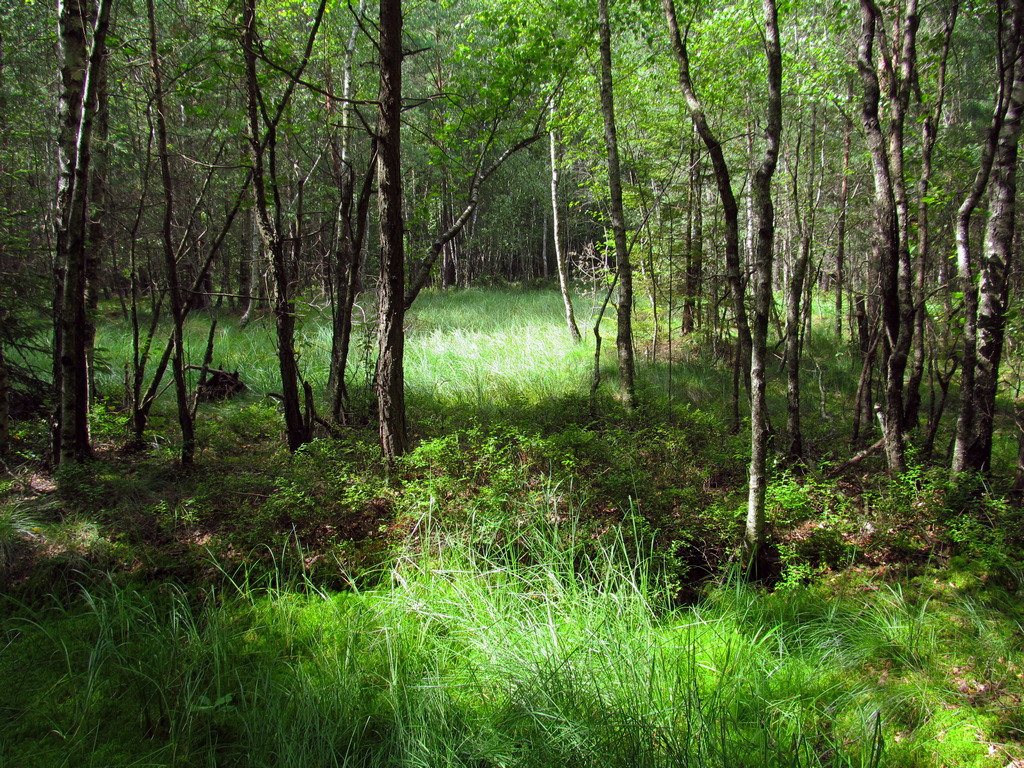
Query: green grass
[
  {"x": 536, "y": 584},
  {"x": 542, "y": 650},
  {"x": 470, "y": 354},
  {"x": 497, "y": 356},
  {"x": 492, "y": 353}
]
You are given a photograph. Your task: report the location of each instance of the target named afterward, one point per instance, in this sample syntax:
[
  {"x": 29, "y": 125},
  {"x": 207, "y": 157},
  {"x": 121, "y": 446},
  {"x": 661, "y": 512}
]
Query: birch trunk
[
  {"x": 556, "y": 234},
  {"x": 764, "y": 212}
]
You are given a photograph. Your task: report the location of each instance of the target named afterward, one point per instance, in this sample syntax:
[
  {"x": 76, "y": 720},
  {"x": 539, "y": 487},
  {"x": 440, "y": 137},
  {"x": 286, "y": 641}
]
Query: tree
[
  {"x": 352, "y": 220},
  {"x": 263, "y": 132},
  {"x": 26, "y": 197},
  {"x": 80, "y": 77},
  {"x": 985, "y": 300},
  {"x": 890, "y": 235},
  {"x": 350, "y": 231},
  {"x": 623, "y": 268},
  {"x": 694, "y": 243},
  {"x": 561, "y": 265},
  {"x": 5, "y": 401},
  {"x": 930, "y": 130},
  {"x": 389, "y": 381},
  {"x": 764, "y": 213},
  {"x": 756, "y": 334},
  {"x": 479, "y": 176},
  {"x": 170, "y": 258},
  {"x": 803, "y": 219},
  {"x": 730, "y": 209}
]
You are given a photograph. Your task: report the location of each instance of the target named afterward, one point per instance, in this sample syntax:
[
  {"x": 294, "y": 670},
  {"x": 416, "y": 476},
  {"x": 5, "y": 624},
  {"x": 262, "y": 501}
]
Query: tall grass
[
  {"x": 488, "y": 351},
  {"x": 519, "y": 614},
  {"x": 541, "y": 648}
]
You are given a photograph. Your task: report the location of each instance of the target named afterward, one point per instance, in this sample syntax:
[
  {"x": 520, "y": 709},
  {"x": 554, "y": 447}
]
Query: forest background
[{"x": 301, "y": 297}]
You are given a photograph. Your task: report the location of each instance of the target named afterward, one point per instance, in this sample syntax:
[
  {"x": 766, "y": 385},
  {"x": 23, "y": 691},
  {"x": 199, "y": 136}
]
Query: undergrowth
[{"x": 543, "y": 580}]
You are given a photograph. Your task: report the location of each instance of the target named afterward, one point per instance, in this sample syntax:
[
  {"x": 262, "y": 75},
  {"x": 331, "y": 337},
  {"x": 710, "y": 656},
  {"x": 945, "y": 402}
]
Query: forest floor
[{"x": 543, "y": 580}]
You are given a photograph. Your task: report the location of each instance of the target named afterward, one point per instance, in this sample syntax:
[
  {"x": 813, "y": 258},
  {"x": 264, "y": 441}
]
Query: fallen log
[
  {"x": 869, "y": 451},
  {"x": 219, "y": 384}
]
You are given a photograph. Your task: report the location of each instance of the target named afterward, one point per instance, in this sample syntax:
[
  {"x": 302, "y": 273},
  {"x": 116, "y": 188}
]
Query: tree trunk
[
  {"x": 993, "y": 283},
  {"x": 248, "y": 268},
  {"x": 1018, "y": 473},
  {"x": 170, "y": 260},
  {"x": 347, "y": 283},
  {"x": 932, "y": 121},
  {"x": 730, "y": 209},
  {"x": 5, "y": 402},
  {"x": 867, "y": 339},
  {"x": 623, "y": 268},
  {"x": 694, "y": 244},
  {"x": 465, "y": 218},
  {"x": 764, "y": 213},
  {"x": 556, "y": 234},
  {"x": 269, "y": 208},
  {"x": 78, "y": 110},
  {"x": 389, "y": 381},
  {"x": 141, "y": 351},
  {"x": 73, "y": 53},
  {"x": 966, "y": 450},
  {"x": 794, "y": 300},
  {"x": 844, "y": 198},
  {"x": 97, "y": 215},
  {"x": 888, "y": 242}
]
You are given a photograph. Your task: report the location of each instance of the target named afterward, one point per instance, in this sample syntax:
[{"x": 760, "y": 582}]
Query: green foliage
[
  {"x": 985, "y": 531},
  {"x": 81, "y": 485},
  {"x": 789, "y": 500},
  {"x": 108, "y": 424}
]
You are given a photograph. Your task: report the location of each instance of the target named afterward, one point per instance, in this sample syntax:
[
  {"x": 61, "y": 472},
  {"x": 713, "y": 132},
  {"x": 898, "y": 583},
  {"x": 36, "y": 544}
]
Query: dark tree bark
[
  {"x": 80, "y": 78},
  {"x": 71, "y": 21},
  {"x": 185, "y": 420},
  {"x": 347, "y": 282},
  {"x": 350, "y": 231},
  {"x": 269, "y": 209},
  {"x": 730, "y": 210},
  {"x": 389, "y": 381},
  {"x": 623, "y": 268}
]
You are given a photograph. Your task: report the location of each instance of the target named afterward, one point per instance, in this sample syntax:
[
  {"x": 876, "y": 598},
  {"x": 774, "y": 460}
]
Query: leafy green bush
[{"x": 987, "y": 537}]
